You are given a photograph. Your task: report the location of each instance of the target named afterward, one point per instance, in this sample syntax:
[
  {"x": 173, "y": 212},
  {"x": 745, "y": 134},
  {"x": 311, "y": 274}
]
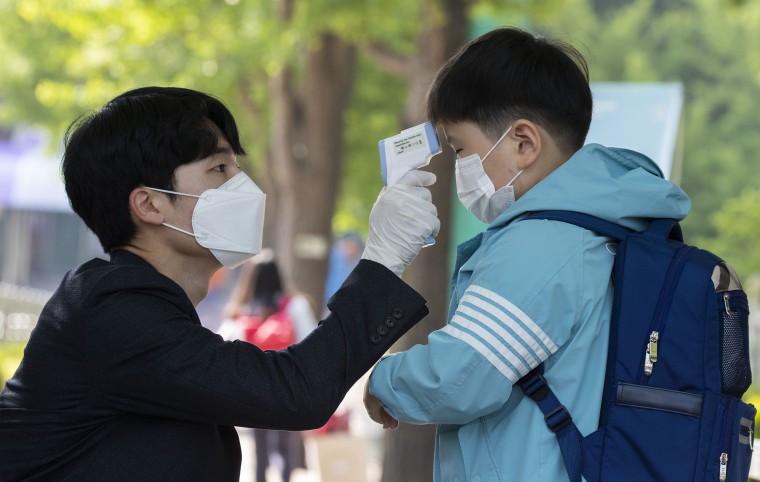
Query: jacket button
[
  {"x": 398, "y": 313},
  {"x": 390, "y": 322},
  {"x": 382, "y": 330},
  {"x": 375, "y": 338}
]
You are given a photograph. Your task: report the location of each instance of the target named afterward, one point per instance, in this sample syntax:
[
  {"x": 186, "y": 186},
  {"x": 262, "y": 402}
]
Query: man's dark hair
[
  {"x": 509, "y": 74},
  {"x": 137, "y": 139}
]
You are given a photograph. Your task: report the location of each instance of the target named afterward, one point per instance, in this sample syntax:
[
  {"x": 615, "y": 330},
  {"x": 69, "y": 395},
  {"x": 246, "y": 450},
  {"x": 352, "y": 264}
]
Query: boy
[
  {"x": 119, "y": 380},
  {"x": 516, "y": 109}
]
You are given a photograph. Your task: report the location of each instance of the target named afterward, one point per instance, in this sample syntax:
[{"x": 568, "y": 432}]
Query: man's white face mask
[
  {"x": 476, "y": 190},
  {"x": 229, "y": 220}
]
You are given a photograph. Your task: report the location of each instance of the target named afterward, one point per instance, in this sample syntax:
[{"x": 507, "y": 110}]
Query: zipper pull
[
  {"x": 650, "y": 358},
  {"x": 648, "y": 366},
  {"x": 726, "y": 297},
  {"x": 723, "y": 466},
  {"x": 653, "y": 339}
]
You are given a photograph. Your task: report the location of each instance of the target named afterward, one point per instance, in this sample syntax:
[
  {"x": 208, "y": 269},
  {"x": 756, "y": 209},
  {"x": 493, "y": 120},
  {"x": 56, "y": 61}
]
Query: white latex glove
[{"x": 402, "y": 218}]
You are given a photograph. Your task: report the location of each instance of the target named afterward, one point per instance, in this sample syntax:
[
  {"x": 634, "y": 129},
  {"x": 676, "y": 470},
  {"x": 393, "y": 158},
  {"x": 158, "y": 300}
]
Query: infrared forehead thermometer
[{"x": 410, "y": 149}]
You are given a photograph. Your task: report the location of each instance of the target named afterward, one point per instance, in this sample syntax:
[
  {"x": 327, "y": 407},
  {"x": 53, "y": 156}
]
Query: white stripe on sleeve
[
  {"x": 508, "y": 308},
  {"x": 497, "y": 344},
  {"x": 502, "y": 333},
  {"x": 508, "y": 372},
  {"x": 534, "y": 352}
]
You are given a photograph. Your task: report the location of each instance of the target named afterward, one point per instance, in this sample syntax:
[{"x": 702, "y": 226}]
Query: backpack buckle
[
  {"x": 558, "y": 419},
  {"x": 534, "y": 384}
]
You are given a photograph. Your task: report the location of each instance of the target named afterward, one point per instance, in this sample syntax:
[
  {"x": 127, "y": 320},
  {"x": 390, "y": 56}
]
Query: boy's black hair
[
  {"x": 509, "y": 74},
  {"x": 137, "y": 139}
]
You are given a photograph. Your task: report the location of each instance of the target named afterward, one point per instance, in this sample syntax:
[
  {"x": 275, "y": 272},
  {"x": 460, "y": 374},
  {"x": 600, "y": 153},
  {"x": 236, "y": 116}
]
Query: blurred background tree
[{"x": 314, "y": 85}]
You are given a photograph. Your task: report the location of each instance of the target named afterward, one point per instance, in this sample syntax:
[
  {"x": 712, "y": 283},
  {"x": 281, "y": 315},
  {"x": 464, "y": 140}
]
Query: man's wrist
[{"x": 384, "y": 257}]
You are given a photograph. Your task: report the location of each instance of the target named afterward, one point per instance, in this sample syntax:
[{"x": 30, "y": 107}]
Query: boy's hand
[
  {"x": 402, "y": 219},
  {"x": 376, "y": 411}
]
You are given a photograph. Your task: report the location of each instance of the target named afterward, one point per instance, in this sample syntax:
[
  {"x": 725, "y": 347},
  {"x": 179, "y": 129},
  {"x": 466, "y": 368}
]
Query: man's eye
[{"x": 220, "y": 168}]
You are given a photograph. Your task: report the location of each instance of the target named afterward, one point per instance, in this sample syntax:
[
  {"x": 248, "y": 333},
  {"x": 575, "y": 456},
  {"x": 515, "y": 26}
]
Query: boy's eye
[{"x": 220, "y": 168}]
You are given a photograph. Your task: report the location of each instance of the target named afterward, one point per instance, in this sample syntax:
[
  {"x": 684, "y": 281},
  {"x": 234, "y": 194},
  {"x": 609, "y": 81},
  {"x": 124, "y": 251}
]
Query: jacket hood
[{"x": 618, "y": 185}]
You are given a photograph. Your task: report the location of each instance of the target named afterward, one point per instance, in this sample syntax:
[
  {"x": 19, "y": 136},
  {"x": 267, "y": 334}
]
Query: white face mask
[
  {"x": 476, "y": 190},
  {"x": 229, "y": 220}
]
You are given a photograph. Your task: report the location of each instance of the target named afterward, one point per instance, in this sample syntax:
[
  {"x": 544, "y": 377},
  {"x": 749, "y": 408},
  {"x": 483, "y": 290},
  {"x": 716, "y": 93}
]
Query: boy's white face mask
[
  {"x": 476, "y": 190},
  {"x": 229, "y": 220}
]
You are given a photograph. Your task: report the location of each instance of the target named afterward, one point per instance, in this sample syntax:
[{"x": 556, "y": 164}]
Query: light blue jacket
[{"x": 524, "y": 293}]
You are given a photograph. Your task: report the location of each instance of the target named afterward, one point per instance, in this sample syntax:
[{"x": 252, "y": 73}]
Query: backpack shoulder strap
[
  {"x": 583, "y": 220},
  {"x": 557, "y": 419},
  {"x": 659, "y": 228}
]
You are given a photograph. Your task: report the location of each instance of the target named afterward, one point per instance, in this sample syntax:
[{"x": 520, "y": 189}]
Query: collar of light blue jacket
[{"x": 618, "y": 185}]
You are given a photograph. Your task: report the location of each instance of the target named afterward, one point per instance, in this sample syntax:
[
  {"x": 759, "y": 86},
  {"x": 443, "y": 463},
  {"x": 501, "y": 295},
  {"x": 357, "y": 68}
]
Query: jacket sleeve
[
  {"x": 169, "y": 366},
  {"x": 515, "y": 313}
]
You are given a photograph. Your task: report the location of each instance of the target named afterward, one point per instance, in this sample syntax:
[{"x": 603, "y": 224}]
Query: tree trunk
[
  {"x": 318, "y": 153},
  {"x": 408, "y": 453},
  {"x": 305, "y": 158}
]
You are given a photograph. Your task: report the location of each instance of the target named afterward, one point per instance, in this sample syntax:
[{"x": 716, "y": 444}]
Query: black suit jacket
[{"x": 120, "y": 381}]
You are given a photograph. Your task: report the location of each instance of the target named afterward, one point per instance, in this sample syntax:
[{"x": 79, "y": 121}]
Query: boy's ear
[
  {"x": 528, "y": 138},
  {"x": 145, "y": 205}
]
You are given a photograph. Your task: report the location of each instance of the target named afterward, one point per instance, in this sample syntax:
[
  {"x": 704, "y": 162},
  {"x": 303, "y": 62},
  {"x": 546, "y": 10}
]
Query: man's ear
[
  {"x": 146, "y": 205},
  {"x": 528, "y": 138}
]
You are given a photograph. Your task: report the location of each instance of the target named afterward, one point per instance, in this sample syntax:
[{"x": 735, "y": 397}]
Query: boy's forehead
[{"x": 458, "y": 131}]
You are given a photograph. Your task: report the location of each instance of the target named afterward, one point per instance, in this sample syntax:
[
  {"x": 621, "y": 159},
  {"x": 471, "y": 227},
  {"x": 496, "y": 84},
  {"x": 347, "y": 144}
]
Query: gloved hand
[{"x": 402, "y": 218}]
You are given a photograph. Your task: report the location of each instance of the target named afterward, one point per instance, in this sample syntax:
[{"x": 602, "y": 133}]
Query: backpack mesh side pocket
[{"x": 733, "y": 313}]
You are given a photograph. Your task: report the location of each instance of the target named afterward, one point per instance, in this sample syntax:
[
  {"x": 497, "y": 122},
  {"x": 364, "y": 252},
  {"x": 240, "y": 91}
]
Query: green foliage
[
  {"x": 10, "y": 357},
  {"x": 709, "y": 46},
  {"x": 738, "y": 227},
  {"x": 372, "y": 115},
  {"x": 752, "y": 396},
  {"x": 64, "y": 58}
]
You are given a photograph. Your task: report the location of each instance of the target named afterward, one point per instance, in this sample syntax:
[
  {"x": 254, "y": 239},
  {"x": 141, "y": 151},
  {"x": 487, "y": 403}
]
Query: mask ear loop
[
  {"x": 179, "y": 229},
  {"x": 513, "y": 179},
  {"x": 179, "y": 194},
  {"x": 172, "y": 192},
  {"x": 497, "y": 143},
  {"x": 494, "y": 147}
]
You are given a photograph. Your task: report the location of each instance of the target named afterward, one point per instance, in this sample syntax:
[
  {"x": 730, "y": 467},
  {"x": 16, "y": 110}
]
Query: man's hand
[
  {"x": 402, "y": 218},
  {"x": 376, "y": 411}
]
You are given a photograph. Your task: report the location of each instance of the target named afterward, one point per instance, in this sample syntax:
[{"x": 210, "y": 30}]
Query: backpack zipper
[
  {"x": 651, "y": 355},
  {"x": 651, "y": 350},
  {"x": 726, "y": 436}
]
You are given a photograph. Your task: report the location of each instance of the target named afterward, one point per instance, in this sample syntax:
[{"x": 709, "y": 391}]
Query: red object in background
[
  {"x": 273, "y": 333},
  {"x": 338, "y": 422}
]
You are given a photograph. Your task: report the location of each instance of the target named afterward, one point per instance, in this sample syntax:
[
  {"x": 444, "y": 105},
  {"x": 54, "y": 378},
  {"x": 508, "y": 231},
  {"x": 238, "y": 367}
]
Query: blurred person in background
[
  {"x": 344, "y": 256},
  {"x": 119, "y": 380},
  {"x": 260, "y": 296}
]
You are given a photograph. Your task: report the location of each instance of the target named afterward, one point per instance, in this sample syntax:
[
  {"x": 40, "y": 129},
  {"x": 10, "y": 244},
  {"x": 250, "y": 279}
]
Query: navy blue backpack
[{"x": 677, "y": 366}]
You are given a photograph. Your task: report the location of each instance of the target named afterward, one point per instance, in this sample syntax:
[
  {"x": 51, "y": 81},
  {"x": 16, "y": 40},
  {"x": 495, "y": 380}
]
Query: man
[{"x": 119, "y": 380}]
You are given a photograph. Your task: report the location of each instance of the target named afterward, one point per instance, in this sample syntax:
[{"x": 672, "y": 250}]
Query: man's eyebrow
[
  {"x": 218, "y": 150},
  {"x": 221, "y": 150}
]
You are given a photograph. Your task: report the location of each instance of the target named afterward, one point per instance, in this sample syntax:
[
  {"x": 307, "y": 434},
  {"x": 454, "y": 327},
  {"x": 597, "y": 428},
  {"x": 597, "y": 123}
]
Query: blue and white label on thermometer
[{"x": 410, "y": 149}]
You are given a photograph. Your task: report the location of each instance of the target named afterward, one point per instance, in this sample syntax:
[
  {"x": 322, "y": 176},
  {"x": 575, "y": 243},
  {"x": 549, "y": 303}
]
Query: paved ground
[{"x": 341, "y": 457}]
